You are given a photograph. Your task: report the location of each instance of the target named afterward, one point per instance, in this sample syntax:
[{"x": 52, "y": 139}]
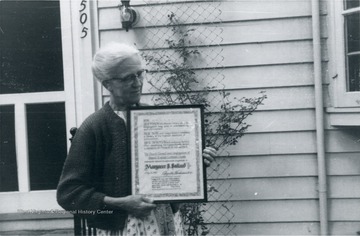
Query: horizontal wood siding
[
  {"x": 36, "y": 224},
  {"x": 343, "y": 148},
  {"x": 282, "y": 210},
  {"x": 288, "y": 165},
  {"x": 231, "y": 33},
  {"x": 255, "y": 211},
  {"x": 231, "y": 11},
  {"x": 293, "y": 228},
  {"x": 270, "y": 188},
  {"x": 288, "y": 228},
  {"x": 268, "y": 181}
]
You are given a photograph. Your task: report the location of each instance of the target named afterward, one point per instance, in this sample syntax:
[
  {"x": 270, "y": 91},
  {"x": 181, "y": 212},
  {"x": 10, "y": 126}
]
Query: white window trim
[
  {"x": 87, "y": 89},
  {"x": 342, "y": 98},
  {"x": 19, "y": 101}
]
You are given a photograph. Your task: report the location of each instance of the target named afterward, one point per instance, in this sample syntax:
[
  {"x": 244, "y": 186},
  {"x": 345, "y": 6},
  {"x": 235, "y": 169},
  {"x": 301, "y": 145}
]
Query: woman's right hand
[
  {"x": 139, "y": 206},
  {"x": 136, "y": 205}
]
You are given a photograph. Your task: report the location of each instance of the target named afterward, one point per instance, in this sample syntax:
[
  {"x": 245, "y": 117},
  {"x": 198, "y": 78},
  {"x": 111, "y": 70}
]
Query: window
[
  {"x": 31, "y": 52},
  {"x": 352, "y": 41},
  {"x": 44, "y": 60},
  {"x": 346, "y": 56},
  {"x": 33, "y": 143}
]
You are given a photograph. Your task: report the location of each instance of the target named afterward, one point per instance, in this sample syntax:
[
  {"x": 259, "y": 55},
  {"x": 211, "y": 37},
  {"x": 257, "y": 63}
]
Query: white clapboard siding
[
  {"x": 256, "y": 54},
  {"x": 284, "y": 188},
  {"x": 344, "y": 228},
  {"x": 342, "y": 141},
  {"x": 293, "y": 228},
  {"x": 249, "y": 54},
  {"x": 343, "y": 163},
  {"x": 274, "y": 143},
  {"x": 109, "y": 18},
  {"x": 293, "y": 142},
  {"x": 277, "y": 121},
  {"x": 224, "y": 33},
  {"x": 286, "y": 229},
  {"x": 264, "y": 189},
  {"x": 266, "y": 166},
  {"x": 60, "y": 223},
  {"x": 290, "y": 75},
  {"x": 344, "y": 187},
  {"x": 113, "y": 3},
  {"x": 344, "y": 209},
  {"x": 339, "y": 164},
  {"x": 277, "y": 98},
  {"x": 282, "y": 210},
  {"x": 245, "y": 77},
  {"x": 262, "y": 211}
]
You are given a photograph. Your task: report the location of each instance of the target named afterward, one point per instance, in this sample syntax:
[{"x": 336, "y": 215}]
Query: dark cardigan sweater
[{"x": 97, "y": 166}]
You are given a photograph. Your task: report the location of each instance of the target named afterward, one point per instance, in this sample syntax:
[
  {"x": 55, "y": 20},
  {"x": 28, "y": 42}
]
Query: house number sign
[{"x": 83, "y": 18}]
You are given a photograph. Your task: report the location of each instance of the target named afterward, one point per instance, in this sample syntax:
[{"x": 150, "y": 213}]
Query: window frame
[{"x": 342, "y": 98}]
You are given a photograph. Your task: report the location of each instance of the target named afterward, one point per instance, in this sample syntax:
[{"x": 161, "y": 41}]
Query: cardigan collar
[{"x": 113, "y": 117}]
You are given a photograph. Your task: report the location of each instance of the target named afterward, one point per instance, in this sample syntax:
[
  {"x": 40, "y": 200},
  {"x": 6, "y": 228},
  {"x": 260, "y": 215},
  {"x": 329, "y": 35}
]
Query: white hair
[{"x": 108, "y": 59}]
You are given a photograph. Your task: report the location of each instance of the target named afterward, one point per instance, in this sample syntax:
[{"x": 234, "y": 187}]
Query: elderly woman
[{"x": 95, "y": 180}]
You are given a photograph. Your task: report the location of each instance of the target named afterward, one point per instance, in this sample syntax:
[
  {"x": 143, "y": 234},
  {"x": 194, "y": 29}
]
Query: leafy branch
[{"x": 180, "y": 85}]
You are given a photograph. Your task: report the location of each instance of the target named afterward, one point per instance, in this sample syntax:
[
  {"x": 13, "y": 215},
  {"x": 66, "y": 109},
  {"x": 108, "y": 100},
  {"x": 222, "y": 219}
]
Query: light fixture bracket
[{"x": 129, "y": 16}]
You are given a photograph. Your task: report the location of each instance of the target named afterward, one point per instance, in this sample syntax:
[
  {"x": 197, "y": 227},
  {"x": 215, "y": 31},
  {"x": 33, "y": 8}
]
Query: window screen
[
  {"x": 47, "y": 144},
  {"x": 30, "y": 47},
  {"x": 8, "y": 167}
]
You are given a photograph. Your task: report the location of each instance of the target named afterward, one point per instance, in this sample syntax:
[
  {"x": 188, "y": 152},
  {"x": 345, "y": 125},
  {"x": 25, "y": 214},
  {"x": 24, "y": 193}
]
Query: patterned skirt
[{"x": 161, "y": 221}]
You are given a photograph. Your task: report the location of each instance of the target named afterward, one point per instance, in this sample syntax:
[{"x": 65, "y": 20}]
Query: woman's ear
[{"x": 107, "y": 85}]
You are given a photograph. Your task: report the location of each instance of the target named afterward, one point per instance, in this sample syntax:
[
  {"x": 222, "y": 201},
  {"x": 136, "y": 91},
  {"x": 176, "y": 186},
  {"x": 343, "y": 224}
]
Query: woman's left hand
[{"x": 209, "y": 155}]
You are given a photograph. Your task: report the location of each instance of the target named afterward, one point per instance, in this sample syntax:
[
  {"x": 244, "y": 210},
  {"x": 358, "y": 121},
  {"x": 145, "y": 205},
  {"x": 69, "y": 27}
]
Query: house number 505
[{"x": 83, "y": 19}]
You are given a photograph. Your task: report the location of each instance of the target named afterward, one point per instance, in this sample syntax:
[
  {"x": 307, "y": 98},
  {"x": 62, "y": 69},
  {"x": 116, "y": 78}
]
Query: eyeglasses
[{"x": 130, "y": 79}]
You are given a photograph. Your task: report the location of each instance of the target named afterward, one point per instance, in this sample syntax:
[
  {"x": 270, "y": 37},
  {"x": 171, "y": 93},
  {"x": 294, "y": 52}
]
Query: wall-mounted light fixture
[{"x": 129, "y": 16}]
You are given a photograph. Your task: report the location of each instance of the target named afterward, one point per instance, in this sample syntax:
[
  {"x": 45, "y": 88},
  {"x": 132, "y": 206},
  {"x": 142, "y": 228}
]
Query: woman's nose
[{"x": 138, "y": 81}]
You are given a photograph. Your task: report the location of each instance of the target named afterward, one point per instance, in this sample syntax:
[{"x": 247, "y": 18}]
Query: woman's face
[{"x": 127, "y": 92}]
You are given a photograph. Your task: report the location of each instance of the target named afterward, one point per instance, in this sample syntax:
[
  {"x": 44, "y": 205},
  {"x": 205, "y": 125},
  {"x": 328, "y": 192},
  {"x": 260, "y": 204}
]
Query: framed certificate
[{"x": 166, "y": 145}]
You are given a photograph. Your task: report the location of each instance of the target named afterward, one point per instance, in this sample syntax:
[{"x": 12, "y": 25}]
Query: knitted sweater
[{"x": 97, "y": 166}]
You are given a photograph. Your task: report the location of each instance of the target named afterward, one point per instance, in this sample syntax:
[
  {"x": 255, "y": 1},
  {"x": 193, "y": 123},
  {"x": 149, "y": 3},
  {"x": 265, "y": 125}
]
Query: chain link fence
[{"x": 199, "y": 22}]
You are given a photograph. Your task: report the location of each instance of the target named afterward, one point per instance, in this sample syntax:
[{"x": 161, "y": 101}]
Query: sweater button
[{"x": 117, "y": 178}]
